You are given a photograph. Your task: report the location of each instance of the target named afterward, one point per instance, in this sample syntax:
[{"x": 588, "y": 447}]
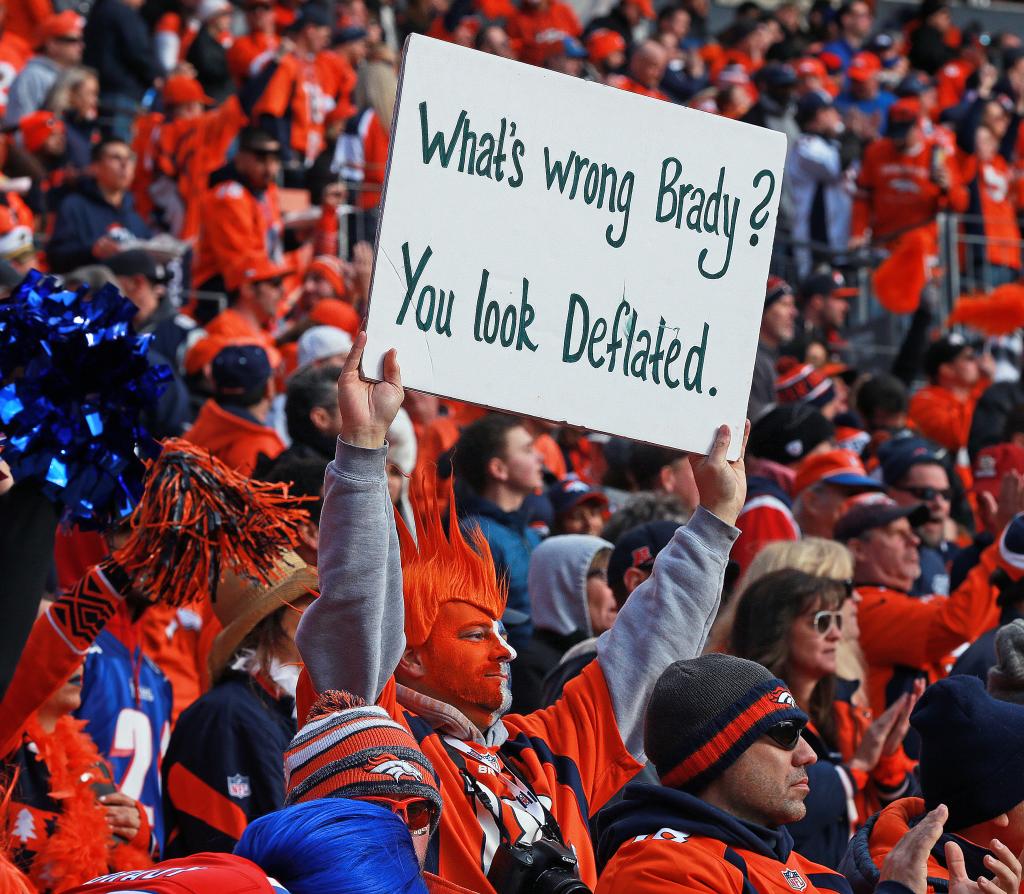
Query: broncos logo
[
  {"x": 391, "y": 766},
  {"x": 782, "y": 696}
]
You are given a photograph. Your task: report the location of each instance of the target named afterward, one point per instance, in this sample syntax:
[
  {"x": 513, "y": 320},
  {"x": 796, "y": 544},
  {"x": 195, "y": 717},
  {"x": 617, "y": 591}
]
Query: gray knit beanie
[
  {"x": 1006, "y": 679},
  {"x": 705, "y": 712}
]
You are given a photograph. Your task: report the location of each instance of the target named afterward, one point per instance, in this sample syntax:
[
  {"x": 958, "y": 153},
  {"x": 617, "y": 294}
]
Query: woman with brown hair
[{"x": 791, "y": 622}]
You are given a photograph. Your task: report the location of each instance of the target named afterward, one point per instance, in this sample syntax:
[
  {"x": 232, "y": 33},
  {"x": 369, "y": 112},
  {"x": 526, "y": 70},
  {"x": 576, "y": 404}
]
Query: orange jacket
[
  {"x": 872, "y": 844},
  {"x": 951, "y": 83},
  {"x": 588, "y": 769},
  {"x": 14, "y": 53},
  {"x": 25, "y": 16},
  {"x": 943, "y": 417},
  {"x": 236, "y": 441},
  {"x": 908, "y": 637},
  {"x": 190, "y": 150},
  {"x": 307, "y": 93},
  {"x": 249, "y": 53},
  {"x": 236, "y": 227},
  {"x": 993, "y": 194},
  {"x": 625, "y": 82},
  {"x": 896, "y": 191},
  {"x": 529, "y": 25},
  {"x": 145, "y": 146},
  {"x": 659, "y": 840}
]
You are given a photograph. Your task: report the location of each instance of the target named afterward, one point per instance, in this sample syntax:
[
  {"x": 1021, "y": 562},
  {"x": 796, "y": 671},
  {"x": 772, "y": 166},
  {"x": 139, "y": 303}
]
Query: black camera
[{"x": 545, "y": 867}]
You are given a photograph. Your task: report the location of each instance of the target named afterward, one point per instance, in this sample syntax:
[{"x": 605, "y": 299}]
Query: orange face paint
[{"x": 467, "y": 663}]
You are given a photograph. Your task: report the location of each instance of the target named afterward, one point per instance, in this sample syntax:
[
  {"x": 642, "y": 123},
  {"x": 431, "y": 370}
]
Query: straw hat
[{"x": 241, "y": 605}]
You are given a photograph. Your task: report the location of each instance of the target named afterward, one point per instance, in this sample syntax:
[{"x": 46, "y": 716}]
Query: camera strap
[{"x": 458, "y": 751}]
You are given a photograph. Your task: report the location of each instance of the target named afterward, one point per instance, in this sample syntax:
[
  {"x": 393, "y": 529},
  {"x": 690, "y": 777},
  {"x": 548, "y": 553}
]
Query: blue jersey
[{"x": 130, "y": 724}]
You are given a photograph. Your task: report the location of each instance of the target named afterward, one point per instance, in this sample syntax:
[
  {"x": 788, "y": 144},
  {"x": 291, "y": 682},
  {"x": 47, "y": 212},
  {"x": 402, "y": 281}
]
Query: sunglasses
[
  {"x": 823, "y": 621},
  {"x": 416, "y": 813},
  {"x": 786, "y": 734},
  {"x": 927, "y": 494}
]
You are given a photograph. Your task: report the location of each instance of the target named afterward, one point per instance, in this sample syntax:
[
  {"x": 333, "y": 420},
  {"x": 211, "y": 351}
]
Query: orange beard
[{"x": 467, "y": 663}]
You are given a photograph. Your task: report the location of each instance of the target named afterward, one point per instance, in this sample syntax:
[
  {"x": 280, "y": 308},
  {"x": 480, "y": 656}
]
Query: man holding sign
[{"x": 419, "y": 633}]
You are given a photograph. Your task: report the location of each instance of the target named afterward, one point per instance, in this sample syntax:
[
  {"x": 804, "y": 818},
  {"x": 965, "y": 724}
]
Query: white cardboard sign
[{"x": 567, "y": 250}]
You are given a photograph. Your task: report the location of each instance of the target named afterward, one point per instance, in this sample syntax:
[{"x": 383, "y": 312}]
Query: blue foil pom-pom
[{"x": 75, "y": 381}]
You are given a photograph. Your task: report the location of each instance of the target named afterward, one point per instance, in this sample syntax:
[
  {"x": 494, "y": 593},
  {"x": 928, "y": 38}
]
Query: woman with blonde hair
[{"x": 75, "y": 99}]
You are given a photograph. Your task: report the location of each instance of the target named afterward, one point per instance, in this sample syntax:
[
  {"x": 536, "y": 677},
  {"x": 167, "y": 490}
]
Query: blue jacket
[
  {"x": 512, "y": 541},
  {"x": 82, "y": 218},
  {"x": 118, "y": 46},
  {"x": 223, "y": 765}
]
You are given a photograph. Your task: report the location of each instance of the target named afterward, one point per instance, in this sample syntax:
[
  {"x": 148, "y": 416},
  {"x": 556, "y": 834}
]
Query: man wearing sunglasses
[
  {"x": 724, "y": 735},
  {"x": 905, "y": 637},
  {"x": 914, "y": 470}
]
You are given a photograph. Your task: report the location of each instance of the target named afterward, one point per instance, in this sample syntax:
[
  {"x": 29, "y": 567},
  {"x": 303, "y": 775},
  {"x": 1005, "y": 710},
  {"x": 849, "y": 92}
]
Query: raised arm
[
  {"x": 353, "y": 636},
  {"x": 668, "y": 617}
]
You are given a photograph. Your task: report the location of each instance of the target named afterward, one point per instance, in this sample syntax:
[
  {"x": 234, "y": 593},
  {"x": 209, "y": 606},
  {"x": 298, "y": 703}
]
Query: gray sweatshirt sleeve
[
  {"x": 667, "y": 618},
  {"x": 353, "y": 636}
]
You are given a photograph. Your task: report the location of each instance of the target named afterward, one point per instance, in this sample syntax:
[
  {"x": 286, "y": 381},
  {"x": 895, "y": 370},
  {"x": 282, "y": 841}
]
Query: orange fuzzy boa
[{"x": 81, "y": 847}]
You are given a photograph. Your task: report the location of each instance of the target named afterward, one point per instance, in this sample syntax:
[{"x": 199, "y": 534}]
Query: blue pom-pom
[{"x": 75, "y": 383}]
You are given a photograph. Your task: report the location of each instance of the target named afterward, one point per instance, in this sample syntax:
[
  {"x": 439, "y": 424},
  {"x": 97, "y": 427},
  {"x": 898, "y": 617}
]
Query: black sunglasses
[
  {"x": 927, "y": 494},
  {"x": 786, "y": 734}
]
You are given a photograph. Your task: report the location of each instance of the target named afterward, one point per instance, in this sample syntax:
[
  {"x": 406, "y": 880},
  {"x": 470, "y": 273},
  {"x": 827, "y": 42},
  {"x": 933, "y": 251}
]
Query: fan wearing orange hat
[
  {"x": 58, "y": 47},
  {"x": 623, "y": 19},
  {"x": 606, "y": 50},
  {"x": 823, "y": 482},
  {"x": 863, "y": 92}
]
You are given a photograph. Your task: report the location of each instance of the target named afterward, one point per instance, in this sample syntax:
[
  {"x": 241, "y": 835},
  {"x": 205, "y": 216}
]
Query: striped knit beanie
[
  {"x": 705, "y": 712},
  {"x": 797, "y": 382},
  {"x": 349, "y": 749}
]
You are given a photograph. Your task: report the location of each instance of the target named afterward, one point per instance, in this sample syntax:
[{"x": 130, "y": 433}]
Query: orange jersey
[
  {"x": 189, "y": 151},
  {"x": 14, "y": 53},
  {"x": 24, "y": 18},
  {"x": 236, "y": 227},
  {"x": 992, "y": 194},
  {"x": 951, "y": 83},
  {"x": 145, "y": 145},
  {"x": 170, "y": 638},
  {"x": 896, "y": 191},
  {"x": 529, "y": 26},
  {"x": 942, "y": 416},
  {"x": 590, "y": 765},
  {"x": 907, "y": 637},
  {"x": 249, "y": 53},
  {"x": 237, "y": 442},
  {"x": 305, "y": 91}
]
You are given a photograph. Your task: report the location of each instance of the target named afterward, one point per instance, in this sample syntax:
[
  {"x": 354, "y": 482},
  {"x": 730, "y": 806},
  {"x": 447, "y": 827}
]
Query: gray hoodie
[{"x": 558, "y": 582}]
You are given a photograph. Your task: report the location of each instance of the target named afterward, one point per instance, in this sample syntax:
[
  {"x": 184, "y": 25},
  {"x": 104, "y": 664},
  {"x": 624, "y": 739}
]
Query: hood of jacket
[
  {"x": 90, "y": 189},
  {"x": 644, "y": 809},
  {"x": 873, "y": 841},
  {"x": 558, "y": 582}
]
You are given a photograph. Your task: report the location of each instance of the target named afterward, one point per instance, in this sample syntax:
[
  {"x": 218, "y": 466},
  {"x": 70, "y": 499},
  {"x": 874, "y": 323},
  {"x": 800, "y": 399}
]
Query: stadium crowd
[{"x": 451, "y": 650}]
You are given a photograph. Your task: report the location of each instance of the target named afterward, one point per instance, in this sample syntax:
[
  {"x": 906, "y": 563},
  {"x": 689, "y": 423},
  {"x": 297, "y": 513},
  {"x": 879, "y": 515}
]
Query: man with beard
[{"x": 415, "y": 627}]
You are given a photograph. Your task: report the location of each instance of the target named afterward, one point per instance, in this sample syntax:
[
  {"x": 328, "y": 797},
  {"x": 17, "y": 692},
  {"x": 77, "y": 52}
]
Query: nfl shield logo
[
  {"x": 796, "y": 881},
  {"x": 238, "y": 787}
]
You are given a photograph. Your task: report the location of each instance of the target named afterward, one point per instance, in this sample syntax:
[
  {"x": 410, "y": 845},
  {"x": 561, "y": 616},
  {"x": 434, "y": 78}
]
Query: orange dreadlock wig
[{"x": 439, "y": 568}]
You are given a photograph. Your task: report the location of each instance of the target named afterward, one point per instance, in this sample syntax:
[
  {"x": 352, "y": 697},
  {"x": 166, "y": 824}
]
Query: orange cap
[
  {"x": 841, "y": 467},
  {"x": 61, "y": 24},
  {"x": 603, "y": 42},
  {"x": 332, "y": 312},
  {"x": 863, "y": 67},
  {"x": 181, "y": 89},
  {"x": 256, "y": 270},
  {"x": 37, "y": 127},
  {"x": 810, "y": 67}
]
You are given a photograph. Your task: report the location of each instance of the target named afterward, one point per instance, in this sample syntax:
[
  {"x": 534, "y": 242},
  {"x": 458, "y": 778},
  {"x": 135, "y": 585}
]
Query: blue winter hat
[
  {"x": 898, "y": 455},
  {"x": 971, "y": 747}
]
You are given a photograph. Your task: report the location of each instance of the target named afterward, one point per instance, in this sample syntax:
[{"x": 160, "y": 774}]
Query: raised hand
[
  {"x": 907, "y": 862},
  {"x": 1004, "y": 866},
  {"x": 722, "y": 484},
  {"x": 368, "y": 408}
]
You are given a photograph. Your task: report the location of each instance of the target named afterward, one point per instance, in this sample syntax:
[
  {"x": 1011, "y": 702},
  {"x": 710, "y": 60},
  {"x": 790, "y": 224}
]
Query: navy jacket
[
  {"x": 223, "y": 766},
  {"x": 512, "y": 541},
  {"x": 118, "y": 46},
  {"x": 82, "y": 218}
]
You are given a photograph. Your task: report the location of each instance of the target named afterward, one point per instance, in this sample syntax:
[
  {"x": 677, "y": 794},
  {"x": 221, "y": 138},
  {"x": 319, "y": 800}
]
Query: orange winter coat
[
  {"x": 943, "y": 417},
  {"x": 236, "y": 441},
  {"x": 909, "y": 637}
]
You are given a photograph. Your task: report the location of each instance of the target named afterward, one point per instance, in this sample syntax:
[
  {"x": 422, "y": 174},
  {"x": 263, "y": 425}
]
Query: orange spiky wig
[{"x": 439, "y": 568}]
